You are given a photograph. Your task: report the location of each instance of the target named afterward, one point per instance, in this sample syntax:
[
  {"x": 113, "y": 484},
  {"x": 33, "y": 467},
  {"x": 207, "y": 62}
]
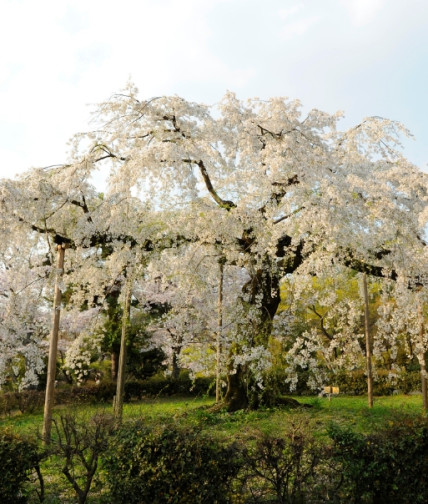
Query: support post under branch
[{"x": 53, "y": 348}]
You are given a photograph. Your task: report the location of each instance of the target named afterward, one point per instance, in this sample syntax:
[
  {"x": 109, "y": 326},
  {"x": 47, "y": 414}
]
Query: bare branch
[{"x": 228, "y": 205}]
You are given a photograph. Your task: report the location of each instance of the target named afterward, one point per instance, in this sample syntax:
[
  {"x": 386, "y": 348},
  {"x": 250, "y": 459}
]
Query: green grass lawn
[{"x": 349, "y": 410}]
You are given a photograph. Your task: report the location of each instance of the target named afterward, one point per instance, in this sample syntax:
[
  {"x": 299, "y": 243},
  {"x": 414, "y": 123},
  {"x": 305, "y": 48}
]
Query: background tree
[
  {"x": 325, "y": 325},
  {"x": 403, "y": 316},
  {"x": 24, "y": 323},
  {"x": 187, "y": 294}
]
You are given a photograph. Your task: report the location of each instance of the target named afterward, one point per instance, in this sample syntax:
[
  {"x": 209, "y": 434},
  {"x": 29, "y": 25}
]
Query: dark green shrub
[
  {"x": 204, "y": 386},
  {"x": 143, "y": 364},
  {"x": 165, "y": 386},
  {"x": 102, "y": 392},
  {"x": 153, "y": 386},
  {"x": 409, "y": 382},
  {"x": 29, "y": 401},
  {"x": 8, "y": 403},
  {"x": 286, "y": 469},
  {"x": 19, "y": 457},
  {"x": 26, "y": 401},
  {"x": 78, "y": 444},
  {"x": 388, "y": 466},
  {"x": 355, "y": 382},
  {"x": 169, "y": 466}
]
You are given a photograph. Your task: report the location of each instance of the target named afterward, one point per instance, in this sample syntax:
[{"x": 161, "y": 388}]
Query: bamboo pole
[
  {"x": 120, "y": 386},
  {"x": 422, "y": 359},
  {"x": 53, "y": 348},
  {"x": 219, "y": 332},
  {"x": 368, "y": 343}
]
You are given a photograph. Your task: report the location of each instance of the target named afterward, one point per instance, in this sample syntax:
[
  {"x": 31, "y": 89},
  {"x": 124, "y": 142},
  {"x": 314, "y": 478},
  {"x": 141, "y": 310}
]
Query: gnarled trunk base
[
  {"x": 240, "y": 397},
  {"x": 236, "y": 397}
]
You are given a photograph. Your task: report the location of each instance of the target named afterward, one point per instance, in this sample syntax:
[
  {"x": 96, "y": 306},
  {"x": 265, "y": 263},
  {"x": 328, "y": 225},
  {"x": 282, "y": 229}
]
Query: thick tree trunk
[
  {"x": 175, "y": 370},
  {"x": 261, "y": 297},
  {"x": 236, "y": 397}
]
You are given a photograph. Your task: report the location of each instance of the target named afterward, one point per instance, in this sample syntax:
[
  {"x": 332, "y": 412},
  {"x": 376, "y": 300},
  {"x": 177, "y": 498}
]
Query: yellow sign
[{"x": 331, "y": 390}]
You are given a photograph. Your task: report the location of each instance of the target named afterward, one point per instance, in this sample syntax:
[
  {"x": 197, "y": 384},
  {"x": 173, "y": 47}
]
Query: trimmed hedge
[
  {"x": 29, "y": 401},
  {"x": 355, "y": 383},
  {"x": 169, "y": 466}
]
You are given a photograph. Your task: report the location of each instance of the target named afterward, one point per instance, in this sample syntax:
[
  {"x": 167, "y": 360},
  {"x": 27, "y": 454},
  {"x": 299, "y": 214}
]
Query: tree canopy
[{"x": 269, "y": 190}]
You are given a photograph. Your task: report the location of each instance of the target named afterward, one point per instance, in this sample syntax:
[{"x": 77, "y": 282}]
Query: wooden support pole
[
  {"x": 219, "y": 332},
  {"x": 120, "y": 386},
  {"x": 53, "y": 348},
  {"x": 368, "y": 342},
  {"x": 422, "y": 359}
]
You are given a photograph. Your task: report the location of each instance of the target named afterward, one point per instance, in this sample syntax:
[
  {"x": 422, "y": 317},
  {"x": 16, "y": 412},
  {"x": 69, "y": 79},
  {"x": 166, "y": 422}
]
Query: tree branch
[
  {"x": 83, "y": 205},
  {"x": 280, "y": 191},
  {"x": 227, "y": 205},
  {"x": 321, "y": 317}
]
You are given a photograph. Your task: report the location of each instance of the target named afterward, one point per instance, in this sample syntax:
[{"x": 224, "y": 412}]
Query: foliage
[
  {"x": 247, "y": 428},
  {"x": 141, "y": 364},
  {"x": 286, "y": 469},
  {"x": 258, "y": 186},
  {"x": 78, "y": 444},
  {"x": 29, "y": 401},
  {"x": 19, "y": 457},
  {"x": 26, "y": 401},
  {"x": 355, "y": 382},
  {"x": 23, "y": 320},
  {"x": 387, "y": 466},
  {"x": 168, "y": 465}
]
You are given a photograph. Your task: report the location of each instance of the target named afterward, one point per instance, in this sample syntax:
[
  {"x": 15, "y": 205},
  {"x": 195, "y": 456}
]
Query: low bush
[
  {"x": 8, "y": 403},
  {"x": 87, "y": 394},
  {"x": 355, "y": 382},
  {"x": 287, "y": 470},
  {"x": 410, "y": 382},
  {"x": 169, "y": 466},
  {"x": 156, "y": 386},
  {"x": 19, "y": 458},
  {"x": 78, "y": 444},
  {"x": 26, "y": 401},
  {"x": 388, "y": 466},
  {"x": 29, "y": 401}
]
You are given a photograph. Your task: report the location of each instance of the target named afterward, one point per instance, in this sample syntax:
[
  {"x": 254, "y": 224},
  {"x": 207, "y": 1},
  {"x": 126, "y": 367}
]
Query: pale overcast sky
[{"x": 366, "y": 57}]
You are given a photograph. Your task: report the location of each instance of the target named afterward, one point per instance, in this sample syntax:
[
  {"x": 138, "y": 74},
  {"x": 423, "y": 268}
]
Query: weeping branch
[{"x": 227, "y": 205}]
